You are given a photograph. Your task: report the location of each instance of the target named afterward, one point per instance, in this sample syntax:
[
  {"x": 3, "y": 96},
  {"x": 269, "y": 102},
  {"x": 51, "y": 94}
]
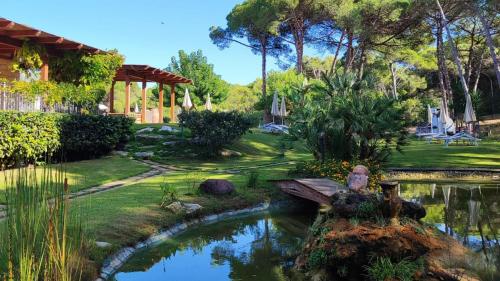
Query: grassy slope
[
  {"x": 85, "y": 174},
  {"x": 423, "y": 155}
]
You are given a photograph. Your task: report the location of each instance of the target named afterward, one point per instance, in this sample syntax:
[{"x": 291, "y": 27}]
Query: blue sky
[{"x": 135, "y": 29}]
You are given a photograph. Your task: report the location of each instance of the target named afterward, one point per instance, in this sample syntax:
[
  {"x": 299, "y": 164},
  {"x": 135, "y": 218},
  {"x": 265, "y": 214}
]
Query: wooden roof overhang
[
  {"x": 13, "y": 35},
  {"x": 146, "y": 73}
]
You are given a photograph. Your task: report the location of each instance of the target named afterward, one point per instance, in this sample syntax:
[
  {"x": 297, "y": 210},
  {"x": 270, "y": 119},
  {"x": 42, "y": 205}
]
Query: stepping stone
[
  {"x": 120, "y": 153},
  {"x": 168, "y": 129},
  {"x": 145, "y": 130},
  {"x": 144, "y": 155},
  {"x": 101, "y": 244}
]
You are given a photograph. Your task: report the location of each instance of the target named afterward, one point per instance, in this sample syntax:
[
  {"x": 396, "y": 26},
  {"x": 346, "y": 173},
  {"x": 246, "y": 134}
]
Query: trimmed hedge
[
  {"x": 92, "y": 136},
  {"x": 211, "y": 131},
  {"x": 28, "y": 137}
]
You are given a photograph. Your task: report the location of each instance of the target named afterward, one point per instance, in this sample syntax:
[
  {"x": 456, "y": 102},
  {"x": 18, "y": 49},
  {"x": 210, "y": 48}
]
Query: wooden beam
[
  {"x": 6, "y": 40},
  {"x": 70, "y": 46},
  {"x": 22, "y": 33},
  {"x": 50, "y": 40},
  {"x": 172, "y": 103},
  {"x": 112, "y": 97},
  {"x": 143, "y": 110},
  {"x": 160, "y": 101},
  {"x": 6, "y": 23},
  {"x": 127, "y": 98}
]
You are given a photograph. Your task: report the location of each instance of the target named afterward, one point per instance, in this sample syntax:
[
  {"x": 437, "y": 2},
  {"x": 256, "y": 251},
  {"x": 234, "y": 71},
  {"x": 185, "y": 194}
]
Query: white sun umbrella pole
[
  {"x": 283, "y": 113},
  {"x": 274, "y": 107},
  {"x": 208, "y": 104},
  {"x": 187, "y": 104}
]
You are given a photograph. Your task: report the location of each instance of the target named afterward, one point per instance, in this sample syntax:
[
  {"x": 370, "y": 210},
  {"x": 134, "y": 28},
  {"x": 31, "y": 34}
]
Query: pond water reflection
[
  {"x": 463, "y": 210},
  {"x": 264, "y": 246},
  {"x": 260, "y": 247}
]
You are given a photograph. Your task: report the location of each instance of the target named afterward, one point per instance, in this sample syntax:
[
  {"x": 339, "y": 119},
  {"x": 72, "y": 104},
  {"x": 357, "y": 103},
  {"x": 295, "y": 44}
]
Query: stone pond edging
[{"x": 116, "y": 261}]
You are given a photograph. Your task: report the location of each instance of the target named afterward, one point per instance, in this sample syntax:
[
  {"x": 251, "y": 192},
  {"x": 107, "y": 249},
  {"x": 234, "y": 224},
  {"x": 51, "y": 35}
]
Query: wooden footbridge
[{"x": 317, "y": 190}]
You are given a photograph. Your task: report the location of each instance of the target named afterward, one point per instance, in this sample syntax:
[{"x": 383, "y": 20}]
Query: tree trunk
[
  {"x": 444, "y": 79},
  {"x": 478, "y": 73},
  {"x": 468, "y": 67},
  {"x": 489, "y": 41},
  {"x": 299, "y": 48},
  {"x": 454, "y": 51},
  {"x": 394, "y": 83},
  {"x": 349, "y": 53},
  {"x": 339, "y": 46},
  {"x": 267, "y": 114}
]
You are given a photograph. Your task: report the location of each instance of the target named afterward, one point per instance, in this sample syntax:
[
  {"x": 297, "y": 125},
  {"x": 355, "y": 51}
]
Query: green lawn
[
  {"x": 257, "y": 148},
  {"x": 420, "y": 154},
  {"x": 85, "y": 174}
]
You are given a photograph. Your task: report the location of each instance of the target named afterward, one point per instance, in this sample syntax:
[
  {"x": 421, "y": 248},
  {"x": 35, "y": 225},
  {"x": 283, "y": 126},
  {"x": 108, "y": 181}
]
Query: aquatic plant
[{"x": 42, "y": 240}]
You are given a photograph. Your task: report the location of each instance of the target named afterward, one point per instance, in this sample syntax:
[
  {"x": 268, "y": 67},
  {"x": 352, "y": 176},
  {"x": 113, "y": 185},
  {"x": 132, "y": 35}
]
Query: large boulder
[{"x": 217, "y": 187}]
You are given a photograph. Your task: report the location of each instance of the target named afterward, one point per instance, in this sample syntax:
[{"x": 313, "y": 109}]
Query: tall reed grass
[{"x": 40, "y": 240}]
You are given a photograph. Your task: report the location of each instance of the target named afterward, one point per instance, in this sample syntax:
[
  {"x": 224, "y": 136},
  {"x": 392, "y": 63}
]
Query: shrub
[
  {"x": 27, "y": 137},
  {"x": 338, "y": 170},
  {"x": 211, "y": 131},
  {"x": 92, "y": 136},
  {"x": 384, "y": 269}
]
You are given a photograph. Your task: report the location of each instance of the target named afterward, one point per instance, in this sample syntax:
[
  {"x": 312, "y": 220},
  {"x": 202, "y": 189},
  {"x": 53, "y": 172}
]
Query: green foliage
[
  {"x": 317, "y": 258},
  {"x": 366, "y": 209},
  {"x": 27, "y": 137},
  {"x": 338, "y": 170},
  {"x": 384, "y": 269},
  {"x": 40, "y": 239},
  {"x": 348, "y": 119},
  {"x": 92, "y": 136},
  {"x": 28, "y": 58},
  {"x": 240, "y": 98},
  {"x": 170, "y": 194},
  {"x": 284, "y": 83},
  {"x": 253, "y": 179},
  {"x": 211, "y": 131},
  {"x": 195, "y": 66}
]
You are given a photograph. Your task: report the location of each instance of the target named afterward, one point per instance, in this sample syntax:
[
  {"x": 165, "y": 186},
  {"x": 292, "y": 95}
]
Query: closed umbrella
[
  {"x": 136, "y": 108},
  {"x": 208, "y": 104},
  {"x": 283, "y": 113},
  {"x": 429, "y": 115},
  {"x": 274, "y": 106},
  {"x": 446, "y": 122},
  {"x": 187, "y": 104},
  {"x": 469, "y": 115}
]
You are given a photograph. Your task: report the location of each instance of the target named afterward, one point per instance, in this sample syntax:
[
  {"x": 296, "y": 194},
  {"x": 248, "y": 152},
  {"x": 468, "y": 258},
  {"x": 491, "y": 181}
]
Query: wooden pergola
[
  {"x": 145, "y": 73},
  {"x": 13, "y": 35}
]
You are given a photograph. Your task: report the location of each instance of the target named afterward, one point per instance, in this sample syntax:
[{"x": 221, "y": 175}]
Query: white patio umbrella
[
  {"x": 208, "y": 104},
  {"x": 446, "y": 122},
  {"x": 136, "y": 108},
  {"x": 283, "y": 113},
  {"x": 274, "y": 106},
  {"x": 187, "y": 104},
  {"x": 446, "y": 195}
]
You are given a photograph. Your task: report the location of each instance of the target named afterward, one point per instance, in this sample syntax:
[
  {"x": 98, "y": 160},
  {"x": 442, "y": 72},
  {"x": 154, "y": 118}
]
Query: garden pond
[{"x": 263, "y": 246}]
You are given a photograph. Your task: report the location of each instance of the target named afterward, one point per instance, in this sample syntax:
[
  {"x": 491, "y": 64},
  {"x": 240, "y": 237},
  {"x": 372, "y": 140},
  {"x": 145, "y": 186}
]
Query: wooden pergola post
[
  {"x": 127, "y": 97},
  {"x": 112, "y": 97},
  {"x": 143, "y": 109},
  {"x": 160, "y": 101},
  {"x": 172, "y": 103},
  {"x": 44, "y": 70}
]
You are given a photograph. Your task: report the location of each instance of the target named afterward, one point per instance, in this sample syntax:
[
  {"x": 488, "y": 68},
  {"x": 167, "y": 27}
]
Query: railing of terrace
[{"x": 18, "y": 102}]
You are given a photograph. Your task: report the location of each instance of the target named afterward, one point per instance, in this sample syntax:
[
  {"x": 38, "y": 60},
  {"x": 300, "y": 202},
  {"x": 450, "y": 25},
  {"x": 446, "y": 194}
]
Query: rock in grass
[
  {"x": 217, "y": 187},
  {"x": 120, "y": 153},
  {"x": 188, "y": 208},
  {"x": 168, "y": 129},
  {"x": 144, "y": 154},
  {"x": 145, "y": 130},
  {"x": 230, "y": 153},
  {"x": 101, "y": 244}
]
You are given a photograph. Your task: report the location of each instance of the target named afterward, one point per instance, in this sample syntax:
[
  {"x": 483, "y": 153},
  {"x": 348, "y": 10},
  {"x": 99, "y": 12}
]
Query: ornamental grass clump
[{"x": 40, "y": 239}]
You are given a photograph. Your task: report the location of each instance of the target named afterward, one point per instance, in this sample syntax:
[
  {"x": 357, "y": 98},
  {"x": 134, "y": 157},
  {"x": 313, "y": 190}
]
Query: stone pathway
[{"x": 155, "y": 170}]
